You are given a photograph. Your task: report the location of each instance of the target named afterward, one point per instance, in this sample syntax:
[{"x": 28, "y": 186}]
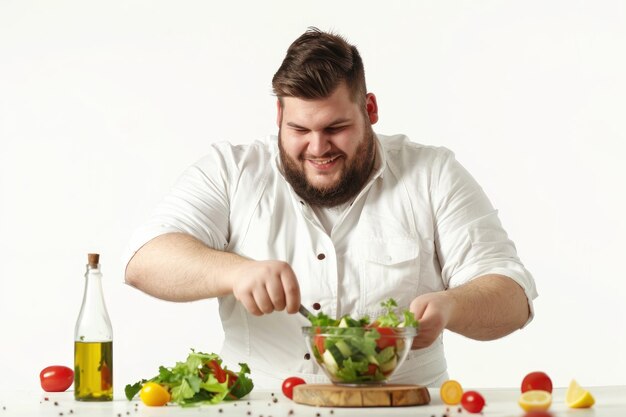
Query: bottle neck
[
  {"x": 93, "y": 323},
  {"x": 93, "y": 279}
]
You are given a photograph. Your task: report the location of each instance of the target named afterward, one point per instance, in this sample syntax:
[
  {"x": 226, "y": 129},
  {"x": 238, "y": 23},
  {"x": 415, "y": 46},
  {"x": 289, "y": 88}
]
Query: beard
[{"x": 353, "y": 177}]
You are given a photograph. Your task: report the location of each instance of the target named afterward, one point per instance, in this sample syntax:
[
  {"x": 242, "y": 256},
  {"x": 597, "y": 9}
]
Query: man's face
[{"x": 327, "y": 146}]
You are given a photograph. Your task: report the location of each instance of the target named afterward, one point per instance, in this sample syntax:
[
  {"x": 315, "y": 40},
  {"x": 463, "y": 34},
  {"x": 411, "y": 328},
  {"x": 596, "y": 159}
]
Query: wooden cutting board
[{"x": 326, "y": 395}]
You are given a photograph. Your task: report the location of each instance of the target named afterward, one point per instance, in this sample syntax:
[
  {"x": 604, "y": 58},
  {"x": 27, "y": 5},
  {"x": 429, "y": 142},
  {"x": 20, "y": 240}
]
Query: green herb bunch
[{"x": 201, "y": 379}]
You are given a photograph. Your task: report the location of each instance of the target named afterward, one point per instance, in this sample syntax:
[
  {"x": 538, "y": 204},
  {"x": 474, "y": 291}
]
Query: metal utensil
[{"x": 303, "y": 310}]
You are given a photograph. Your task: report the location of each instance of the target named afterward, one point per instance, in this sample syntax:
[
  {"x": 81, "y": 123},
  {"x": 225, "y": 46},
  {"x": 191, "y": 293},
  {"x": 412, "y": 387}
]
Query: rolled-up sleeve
[
  {"x": 198, "y": 205},
  {"x": 470, "y": 239}
]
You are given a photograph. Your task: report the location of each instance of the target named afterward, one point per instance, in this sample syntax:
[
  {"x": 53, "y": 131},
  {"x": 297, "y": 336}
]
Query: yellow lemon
[
  {"x": 535, "y": 400},
  {"x": 154, "y": 394},
  {"x": 451, "y": 392},
  {"x": 578, "y": 397}
]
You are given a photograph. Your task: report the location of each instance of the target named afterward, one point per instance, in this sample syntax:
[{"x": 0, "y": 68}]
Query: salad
[
  {"x": 200, "y": 379},
  {"x": 356, "y": 351}
]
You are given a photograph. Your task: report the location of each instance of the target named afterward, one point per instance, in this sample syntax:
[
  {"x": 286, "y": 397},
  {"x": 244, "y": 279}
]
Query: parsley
[
  {"x": 389, "y": 319},
  {"x": 322, "y": 320}
]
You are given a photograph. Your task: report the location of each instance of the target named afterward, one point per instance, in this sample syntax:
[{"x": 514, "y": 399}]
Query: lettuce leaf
[{"x": 194, "y": 382}]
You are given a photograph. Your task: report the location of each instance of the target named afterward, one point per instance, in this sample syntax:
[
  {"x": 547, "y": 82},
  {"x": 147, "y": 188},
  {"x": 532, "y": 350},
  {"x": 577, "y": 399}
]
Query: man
[{"x": 332, "y": 213}]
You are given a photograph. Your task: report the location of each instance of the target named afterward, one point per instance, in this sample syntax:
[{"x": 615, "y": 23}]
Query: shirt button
[
  {"x": 307, "y": 356},
  {"x": 321, "y": 256}
]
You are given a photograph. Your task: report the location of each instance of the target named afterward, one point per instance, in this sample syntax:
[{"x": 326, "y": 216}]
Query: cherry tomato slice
[
  {"x": 319, "y": 341},
  {"x": 387, "y": 338},
  {"x": 218, "y": 372},
  {"x": 371, "y": 369},
  {"x": 472, "y": 401},
  {"x": 232, "y": 378},
  {"x": 56, "y": 378},
  {"x": 451, "y": 392},
  {"x": 537, "y": 381},
  {"x": 289, "y": 383}
]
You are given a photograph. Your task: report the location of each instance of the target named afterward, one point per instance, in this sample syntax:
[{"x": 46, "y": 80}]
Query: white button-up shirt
[{"x": 421, "y": 224}]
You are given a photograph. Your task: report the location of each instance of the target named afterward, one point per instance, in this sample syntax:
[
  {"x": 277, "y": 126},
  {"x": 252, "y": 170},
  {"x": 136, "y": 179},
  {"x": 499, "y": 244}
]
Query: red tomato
[
  {"x": 56, "y": 378},
  {"x": 537, "y": 381},
  {"x": 472, "y": 401},
  {"x": 371, "y": 369},
  {"x": 105, "y": 377},
  {"x": 232, "y": 378},
  {"x": 218, "y": 372},
  {"x": 319, "y": 341},
  {"x": 289, "y": 383},
  {"x": 387, "y": 338}
]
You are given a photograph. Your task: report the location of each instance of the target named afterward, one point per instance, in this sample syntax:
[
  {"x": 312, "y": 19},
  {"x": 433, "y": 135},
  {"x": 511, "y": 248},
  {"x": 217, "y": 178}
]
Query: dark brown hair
[{"x": 316, "y": 63}]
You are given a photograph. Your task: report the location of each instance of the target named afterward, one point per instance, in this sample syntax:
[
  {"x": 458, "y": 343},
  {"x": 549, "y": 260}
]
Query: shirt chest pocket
[{"x": 388, "y": 269}]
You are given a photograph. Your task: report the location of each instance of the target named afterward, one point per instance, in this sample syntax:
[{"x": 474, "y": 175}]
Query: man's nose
[{"x": 319, "y": 143}]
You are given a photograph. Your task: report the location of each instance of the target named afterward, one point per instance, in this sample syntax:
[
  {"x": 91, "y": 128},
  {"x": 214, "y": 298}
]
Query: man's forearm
[
  {"x": 178, "y": 267},
  {"x": 488, "y": 307}
]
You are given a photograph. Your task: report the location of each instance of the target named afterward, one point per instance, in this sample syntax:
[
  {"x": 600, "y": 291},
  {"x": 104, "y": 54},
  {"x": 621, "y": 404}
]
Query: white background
[{"x": 103, "y": 104}]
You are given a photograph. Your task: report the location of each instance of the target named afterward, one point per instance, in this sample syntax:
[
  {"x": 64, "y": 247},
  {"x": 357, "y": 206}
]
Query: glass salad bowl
[{"x": 365, "y": 355}]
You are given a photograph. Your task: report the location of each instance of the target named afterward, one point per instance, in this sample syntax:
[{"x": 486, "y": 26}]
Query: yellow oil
[{"x": 93, "y": 371}]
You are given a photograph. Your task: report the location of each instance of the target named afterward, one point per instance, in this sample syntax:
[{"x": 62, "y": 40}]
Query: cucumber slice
[
  {"x": 353, "y": 323},
  {"x": 336, "y": 354},
  {"x": 330, "y": 362},
  {"x": 344, "y": 348},
  {"x": 386, "y": 354},
  {"x": 372, "y": 359},
  {"x": 347, "y": 321},
  {"x": 390, "y": 365}
]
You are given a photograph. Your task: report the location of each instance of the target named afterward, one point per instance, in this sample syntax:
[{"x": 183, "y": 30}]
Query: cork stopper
[{"x": 93, "y": 259}]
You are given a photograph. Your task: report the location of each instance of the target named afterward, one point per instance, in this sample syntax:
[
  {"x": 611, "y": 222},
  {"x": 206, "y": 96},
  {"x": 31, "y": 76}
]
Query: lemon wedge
[
  {"x": 578, "y": 397},
  {"x": 535, "y": 400}
]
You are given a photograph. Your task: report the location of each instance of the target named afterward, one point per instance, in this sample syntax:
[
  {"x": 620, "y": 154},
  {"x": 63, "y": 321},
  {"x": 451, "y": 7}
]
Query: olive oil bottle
[{"x": 93, "y": 340}]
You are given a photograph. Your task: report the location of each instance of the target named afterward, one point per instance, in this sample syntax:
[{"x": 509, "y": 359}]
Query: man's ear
[
  {"x": 279, "y": 113},
  {"x": 371, "y": 107}
]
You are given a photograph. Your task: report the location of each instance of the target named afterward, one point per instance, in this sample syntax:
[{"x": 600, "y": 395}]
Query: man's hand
[
  {"x": 486, "y": 308},
  {"x": 179, "y": 267},
  {"x": 433, "y": 310},
  {"x": 266, "y": 286}
]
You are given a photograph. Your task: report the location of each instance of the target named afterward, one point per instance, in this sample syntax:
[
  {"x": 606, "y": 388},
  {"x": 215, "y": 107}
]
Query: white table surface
[{"x": 610, "y": 402}]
